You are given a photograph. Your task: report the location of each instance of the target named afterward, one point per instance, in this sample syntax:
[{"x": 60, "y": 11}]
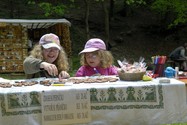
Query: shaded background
[{"x": 135, "y": 30}]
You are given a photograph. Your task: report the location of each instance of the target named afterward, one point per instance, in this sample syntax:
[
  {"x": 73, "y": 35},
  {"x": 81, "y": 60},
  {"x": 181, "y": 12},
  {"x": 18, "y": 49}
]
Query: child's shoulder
[{"x": 113, "y": 66}]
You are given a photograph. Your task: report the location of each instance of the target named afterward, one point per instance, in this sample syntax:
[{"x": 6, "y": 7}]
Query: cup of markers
[{"x": 158, "y": 59}]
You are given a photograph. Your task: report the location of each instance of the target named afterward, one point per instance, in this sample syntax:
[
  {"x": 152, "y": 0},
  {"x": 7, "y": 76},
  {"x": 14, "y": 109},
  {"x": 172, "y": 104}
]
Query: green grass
[
  {"x": 176, "y": 124},
  {"x": 12, "y": 76},
  {"x": 74, "y": 65}
]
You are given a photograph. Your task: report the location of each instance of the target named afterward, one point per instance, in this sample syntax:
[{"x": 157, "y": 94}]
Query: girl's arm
[{"x": 31, "y": 65}]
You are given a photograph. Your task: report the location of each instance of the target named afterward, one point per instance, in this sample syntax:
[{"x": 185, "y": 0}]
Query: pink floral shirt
[{"x": 89, "y": 71}]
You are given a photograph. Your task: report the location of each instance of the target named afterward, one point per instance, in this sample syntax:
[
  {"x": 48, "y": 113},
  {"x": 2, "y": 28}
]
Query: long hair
[
  {"x": 61, "y": 62},
  {"x": 106, "y": 58}
]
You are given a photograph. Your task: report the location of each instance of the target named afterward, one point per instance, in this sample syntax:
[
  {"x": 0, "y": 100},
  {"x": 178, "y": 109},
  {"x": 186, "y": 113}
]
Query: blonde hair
[
  {"x": 104, "y": 55},
  {"x": 61, "y": 62}
]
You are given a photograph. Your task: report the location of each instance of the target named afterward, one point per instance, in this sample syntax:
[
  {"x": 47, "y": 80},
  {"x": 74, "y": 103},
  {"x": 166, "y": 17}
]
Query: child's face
[
  {"x": 51, "y": 54},
  {"x": 92, "y": 59}
]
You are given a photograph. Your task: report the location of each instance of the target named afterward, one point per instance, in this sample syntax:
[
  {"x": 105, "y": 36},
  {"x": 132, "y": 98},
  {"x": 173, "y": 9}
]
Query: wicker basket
[{"x": 130, "y": 76}]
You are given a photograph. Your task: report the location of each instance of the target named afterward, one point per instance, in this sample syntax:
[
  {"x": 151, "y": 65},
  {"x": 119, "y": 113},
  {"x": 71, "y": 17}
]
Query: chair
[{"x": 176, "y": 63}]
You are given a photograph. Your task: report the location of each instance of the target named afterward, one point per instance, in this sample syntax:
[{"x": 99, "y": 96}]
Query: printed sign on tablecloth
[{"x": 66, "y": 107}]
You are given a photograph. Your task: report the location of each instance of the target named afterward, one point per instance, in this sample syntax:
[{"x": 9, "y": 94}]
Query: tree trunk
[
  {"x": 107, "y": 27},
  {"x": 87, "y": 12},
  {"x": 111, "y": 9}
]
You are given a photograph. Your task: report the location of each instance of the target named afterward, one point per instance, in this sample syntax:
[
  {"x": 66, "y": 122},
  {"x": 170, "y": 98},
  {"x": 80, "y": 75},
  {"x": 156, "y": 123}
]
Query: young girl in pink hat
[{"x": 96, "y": 60}]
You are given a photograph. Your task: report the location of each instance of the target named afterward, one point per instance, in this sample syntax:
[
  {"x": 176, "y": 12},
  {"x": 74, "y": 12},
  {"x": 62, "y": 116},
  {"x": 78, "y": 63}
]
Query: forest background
[{"x": 130, "y": 28}]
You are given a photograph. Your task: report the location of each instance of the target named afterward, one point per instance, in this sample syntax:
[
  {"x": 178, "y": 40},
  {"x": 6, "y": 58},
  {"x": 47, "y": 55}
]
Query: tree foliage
[
  {"x": 52, "y": 8},
  {"x": 178, "y": 8},
  {"x": 173, "y": 12},
  {"x": 133, "y": 2},
  {"x": 17, "y": 9}
]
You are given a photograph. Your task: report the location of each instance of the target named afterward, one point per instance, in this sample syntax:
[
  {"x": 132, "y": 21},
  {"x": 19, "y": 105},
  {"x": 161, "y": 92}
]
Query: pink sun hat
[
  {"x": 93, "y": 44},
  {"x": 50, "y": 40}
]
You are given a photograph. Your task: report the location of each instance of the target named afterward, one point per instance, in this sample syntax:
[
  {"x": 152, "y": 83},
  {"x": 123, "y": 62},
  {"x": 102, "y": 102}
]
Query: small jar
[{"x": 176, "y": 72}]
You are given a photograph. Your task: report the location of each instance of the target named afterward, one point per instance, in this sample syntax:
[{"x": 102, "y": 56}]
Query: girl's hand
[
  {"x": 63, "y": 75},
  {"x": 50, "y": 68}
]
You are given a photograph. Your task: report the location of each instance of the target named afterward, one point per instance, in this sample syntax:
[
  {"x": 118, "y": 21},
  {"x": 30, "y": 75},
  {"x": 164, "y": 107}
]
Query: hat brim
[
  {"x": 50, "y": 45},
  {"x": 89, "y": 50}
]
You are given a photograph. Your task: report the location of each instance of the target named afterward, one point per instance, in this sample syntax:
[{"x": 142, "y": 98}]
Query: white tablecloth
[{"x": 118, "y": 103}]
